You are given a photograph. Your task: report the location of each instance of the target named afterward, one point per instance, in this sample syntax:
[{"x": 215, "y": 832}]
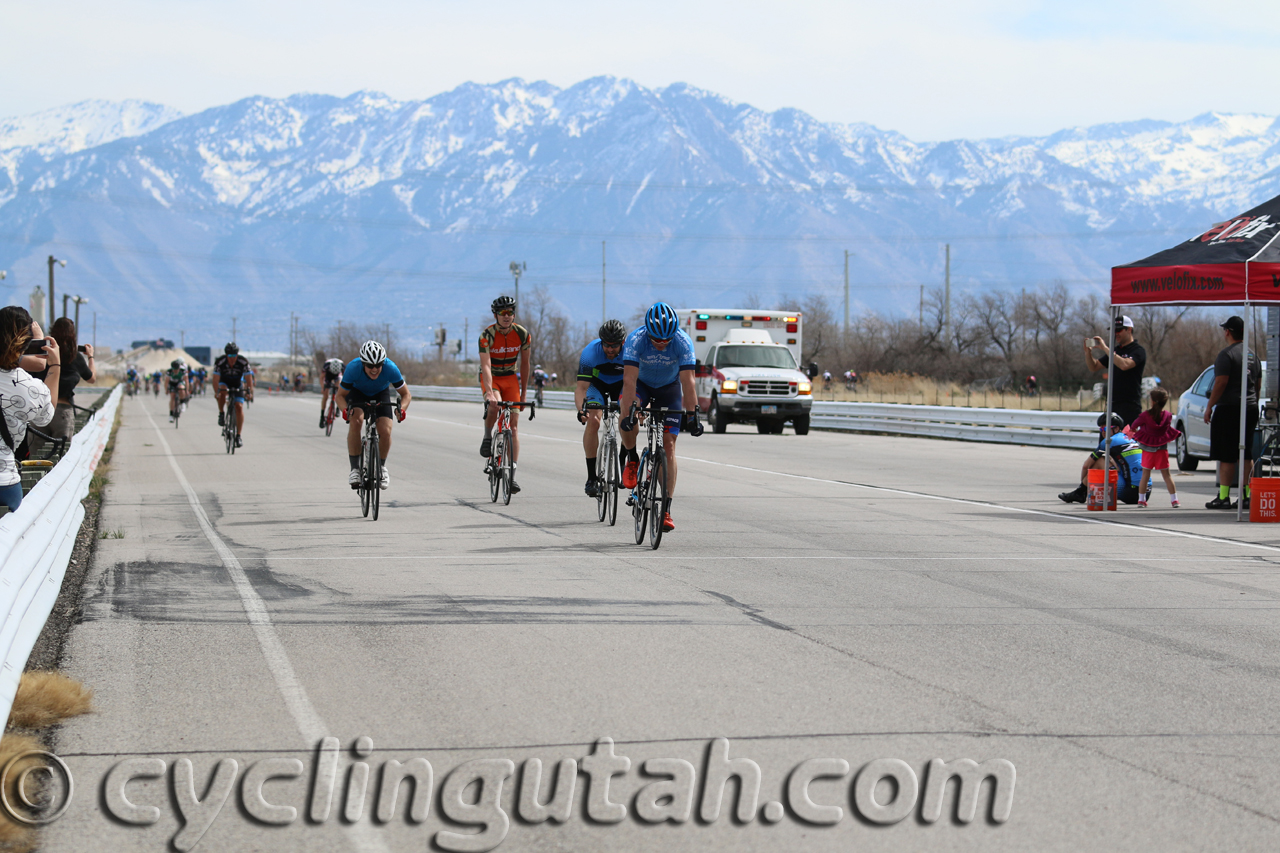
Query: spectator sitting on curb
[
  {"x": 1126, "y": 458},
  {"x": 1222, "y": 414},
  {"x": 23, "y": 400},
  {"x": 1131, "y": 361}
]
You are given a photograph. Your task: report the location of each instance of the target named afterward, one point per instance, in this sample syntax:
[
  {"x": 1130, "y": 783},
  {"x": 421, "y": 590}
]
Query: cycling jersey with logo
[
  {"x": 175, "y": 376},
  {"x": 504, "y": 348},
  {"x": 601, "y": 371},
  {"x": 658, "y": 367},
  {"x": 355, "y": 377},
  {"x": 231, "y": 369},
  {"x": 333, "y": 368}
]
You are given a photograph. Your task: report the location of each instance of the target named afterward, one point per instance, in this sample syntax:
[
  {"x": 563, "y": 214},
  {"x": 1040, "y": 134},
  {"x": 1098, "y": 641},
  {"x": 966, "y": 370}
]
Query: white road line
[
  {"x": 990, "y": 505},
  {"x": 304, "y": 714}
]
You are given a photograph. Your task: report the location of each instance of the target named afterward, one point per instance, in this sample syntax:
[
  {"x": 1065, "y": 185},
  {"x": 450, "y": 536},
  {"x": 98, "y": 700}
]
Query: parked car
[{"x": 1193, "y": 445}]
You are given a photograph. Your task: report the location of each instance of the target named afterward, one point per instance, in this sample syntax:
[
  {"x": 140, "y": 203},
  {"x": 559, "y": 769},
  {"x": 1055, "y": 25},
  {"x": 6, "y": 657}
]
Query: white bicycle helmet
[{"x": 372, "y": 353}]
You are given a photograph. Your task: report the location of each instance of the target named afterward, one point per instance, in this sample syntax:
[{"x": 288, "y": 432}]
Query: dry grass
[
  {"x": 45, "y": 698},
  {"x": 17, "y": 837},
  {"x": 916, "y": 390}
]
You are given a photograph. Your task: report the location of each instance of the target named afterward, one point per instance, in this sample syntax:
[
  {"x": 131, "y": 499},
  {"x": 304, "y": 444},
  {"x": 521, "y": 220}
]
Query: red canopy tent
[{"x": 1236, "y": 262}]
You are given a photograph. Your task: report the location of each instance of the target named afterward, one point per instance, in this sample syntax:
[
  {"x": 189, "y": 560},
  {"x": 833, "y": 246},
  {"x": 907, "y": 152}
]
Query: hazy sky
[{"x": 932, "y": 69}]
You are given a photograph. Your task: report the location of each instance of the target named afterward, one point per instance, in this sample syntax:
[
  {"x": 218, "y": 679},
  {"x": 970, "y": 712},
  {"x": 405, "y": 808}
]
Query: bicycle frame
[
  {"x": 648, "y": 499},
  {"x": 501, "y": 465},
  {"x": 607, "y": 476}
]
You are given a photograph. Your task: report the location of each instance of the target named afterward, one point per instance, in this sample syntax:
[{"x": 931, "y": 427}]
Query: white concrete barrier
[{"x": 36, "y": 543}]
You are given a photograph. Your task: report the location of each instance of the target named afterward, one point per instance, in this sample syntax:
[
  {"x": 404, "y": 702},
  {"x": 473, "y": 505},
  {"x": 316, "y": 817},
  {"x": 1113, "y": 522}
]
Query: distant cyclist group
[{"x": 643, "y": 374}]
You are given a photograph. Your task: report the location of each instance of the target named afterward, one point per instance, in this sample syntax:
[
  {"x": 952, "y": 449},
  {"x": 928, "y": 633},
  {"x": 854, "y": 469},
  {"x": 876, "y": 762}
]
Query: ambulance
[{"x": 749, "y": 367}]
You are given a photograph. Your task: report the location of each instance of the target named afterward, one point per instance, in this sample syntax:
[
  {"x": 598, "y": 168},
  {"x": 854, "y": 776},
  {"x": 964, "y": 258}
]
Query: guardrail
[
  {"x": 36, "y": 542},
  {"x": 1071, "y": 430},
  {"x": 471, "y": 394}
]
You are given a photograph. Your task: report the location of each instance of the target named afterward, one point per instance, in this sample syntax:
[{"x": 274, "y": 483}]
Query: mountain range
[{"x": 366, "y": 209}]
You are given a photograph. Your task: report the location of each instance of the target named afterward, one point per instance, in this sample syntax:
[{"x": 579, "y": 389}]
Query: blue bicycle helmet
[{"x": 661, "y": 322}]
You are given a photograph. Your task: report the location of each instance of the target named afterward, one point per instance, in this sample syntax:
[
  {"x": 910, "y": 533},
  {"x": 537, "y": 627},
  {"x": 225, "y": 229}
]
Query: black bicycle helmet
[
  {"x": 231, "y": 348},
  {"x": 1117, "y": 422},
  {"x": 503, "y": 303},
  {"x": 612, "y": 332}
]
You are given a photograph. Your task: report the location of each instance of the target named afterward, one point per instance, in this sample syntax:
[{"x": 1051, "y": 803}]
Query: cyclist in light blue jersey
[
  {"x": 599, "y": 381},
  {"x": 657, "y": 367},
  {"x": 369, "y": 379}
]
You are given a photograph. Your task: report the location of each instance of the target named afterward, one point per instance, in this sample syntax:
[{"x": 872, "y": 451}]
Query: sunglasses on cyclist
[
  {"x": 506, "y": 313},
  {"x": 660, "y": 340}
]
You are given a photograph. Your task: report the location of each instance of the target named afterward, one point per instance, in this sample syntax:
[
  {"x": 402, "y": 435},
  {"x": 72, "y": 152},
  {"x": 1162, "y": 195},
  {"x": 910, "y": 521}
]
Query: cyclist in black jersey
[{"x": 235, "y": 378}]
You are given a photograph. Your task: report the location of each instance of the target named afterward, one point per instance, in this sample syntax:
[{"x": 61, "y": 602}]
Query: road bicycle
[
  {"x": 649, "y": 498},
  {"x": 607, "y": 476},
  {"x": 501, "y": 467},
  {"x": 370, "y": 484},
  {"x": 181, "y": 407},
  {"x": 332, "y": 413},
  {"x": 231, "y": 432}
]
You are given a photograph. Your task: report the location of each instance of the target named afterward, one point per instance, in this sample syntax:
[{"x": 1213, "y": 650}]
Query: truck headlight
[
  {"x": 806, "y": 388},
  {"x": 729, "y": 386}
]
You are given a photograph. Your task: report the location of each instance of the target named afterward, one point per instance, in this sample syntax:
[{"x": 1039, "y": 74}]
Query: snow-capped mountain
[{"x": 368, "y": 209}]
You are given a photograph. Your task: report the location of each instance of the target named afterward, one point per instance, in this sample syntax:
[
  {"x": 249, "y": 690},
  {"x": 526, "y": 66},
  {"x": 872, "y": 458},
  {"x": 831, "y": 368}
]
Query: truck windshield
[{"x": 755, "y": 355}]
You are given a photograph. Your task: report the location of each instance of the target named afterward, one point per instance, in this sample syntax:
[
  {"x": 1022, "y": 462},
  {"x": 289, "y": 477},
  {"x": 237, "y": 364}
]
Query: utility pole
[
  {"x": 66, "y": 297},
  {"x": 846, "y": 291},
  {"x": 293, "y": 338},
  {"x": 95, "y": 330},
  {"x": 78, "y": 300},
  {"x": 182, "y": 339},
  {"x": 946, "y": 304},
  {"x": 233, "y": 330},
  {"x": 604, "y": 311},
  {"x": 53, "y": 303},
  {"x": 922, "y": 305},
  {"x": 518, "y": 267},
  {"x": 466, "y": 333}
]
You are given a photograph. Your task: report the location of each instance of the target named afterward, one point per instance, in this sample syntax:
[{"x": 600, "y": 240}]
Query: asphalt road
[{"x": 834, "y": 596}]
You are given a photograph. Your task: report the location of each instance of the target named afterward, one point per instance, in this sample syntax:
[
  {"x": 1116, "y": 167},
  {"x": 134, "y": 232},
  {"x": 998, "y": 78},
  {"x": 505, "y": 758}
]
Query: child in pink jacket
[{"x": 1153, "y": 430}]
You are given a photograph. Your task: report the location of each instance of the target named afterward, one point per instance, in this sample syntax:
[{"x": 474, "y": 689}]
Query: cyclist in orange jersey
[{"x": 502, "y": 346}]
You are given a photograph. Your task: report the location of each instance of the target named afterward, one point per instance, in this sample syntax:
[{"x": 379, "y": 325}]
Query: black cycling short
[
  {"x": 386, "y": 408},
  {"x": 331, "y": 381}
]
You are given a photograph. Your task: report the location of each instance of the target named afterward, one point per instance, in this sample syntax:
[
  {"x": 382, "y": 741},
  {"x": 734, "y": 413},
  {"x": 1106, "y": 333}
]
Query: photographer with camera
[{"x": 23, "y": 399}]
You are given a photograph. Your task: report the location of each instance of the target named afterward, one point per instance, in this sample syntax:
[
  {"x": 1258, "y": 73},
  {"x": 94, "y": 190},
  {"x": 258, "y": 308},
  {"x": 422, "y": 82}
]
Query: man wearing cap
[
  {"x": 1131, "y": 361},
  {"x": 1222, "y": 414}
]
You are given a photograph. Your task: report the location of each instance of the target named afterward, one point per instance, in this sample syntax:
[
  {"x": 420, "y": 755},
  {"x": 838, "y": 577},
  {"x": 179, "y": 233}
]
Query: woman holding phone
[
  {"x": 79, "y": 366},
  {"x": 23, "y": 399}
]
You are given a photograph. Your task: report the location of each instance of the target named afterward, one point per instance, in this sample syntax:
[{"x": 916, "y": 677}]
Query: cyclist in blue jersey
[
  {"x": 369, "y": 379},
  {"x": 599, "y": 381},
  {"x": 657, "y": 368},
  {"x": 1126, "y": 460}
]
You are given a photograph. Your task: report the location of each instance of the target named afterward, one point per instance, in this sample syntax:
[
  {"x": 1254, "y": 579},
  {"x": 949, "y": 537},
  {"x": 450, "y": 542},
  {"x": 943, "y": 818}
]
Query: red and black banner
[{"x": 1232, "y": 262}]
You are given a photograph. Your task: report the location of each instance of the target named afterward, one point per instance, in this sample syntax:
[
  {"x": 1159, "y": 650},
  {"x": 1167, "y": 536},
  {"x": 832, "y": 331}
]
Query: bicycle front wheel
[
  {"x": 602, "y": 484},
  {"x": 328, "y": 421},
  {"x": 640, "y": 506},
  {"x": 658, "y": 490},
  {"x": 508, "y": 465},
  {"x": 366, "y": 498},
  {"x": 611, "y": 481},
  {"x": 495, "y": 468},
  {"x": 375, "y": 481}
]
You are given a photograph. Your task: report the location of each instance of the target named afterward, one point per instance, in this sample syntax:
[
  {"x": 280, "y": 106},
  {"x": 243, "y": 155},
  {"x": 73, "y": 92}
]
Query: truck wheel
[
  {"x": 1186, "y": 462},
  {"x": 762, "y": 426},
  {"x": 801, "y": 423},
  {"x": 719, "y": 423}
]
